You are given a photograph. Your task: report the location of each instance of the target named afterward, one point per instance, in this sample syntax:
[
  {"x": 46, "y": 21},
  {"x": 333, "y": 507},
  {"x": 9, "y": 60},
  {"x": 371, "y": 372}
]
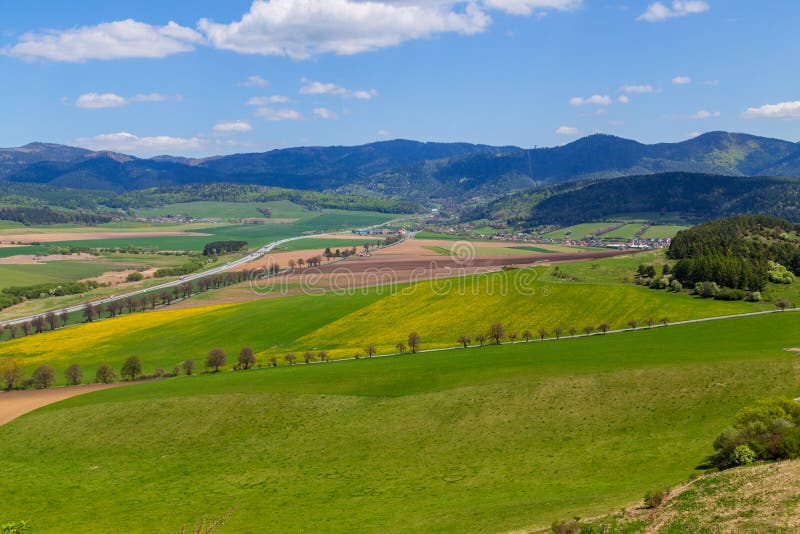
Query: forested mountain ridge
[{"x": 408, "y": 169}]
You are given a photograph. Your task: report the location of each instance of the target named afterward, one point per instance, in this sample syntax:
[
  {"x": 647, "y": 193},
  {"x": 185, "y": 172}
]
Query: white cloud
[
  {"x": 679, "y": 8},
  {"x": 624, "y": 99},
  {"x": 637, "y": 89},
  {"x": 109, "y": 40},
  {"x": 526, "y": 7},
  {"x": 781, "y": 110},
  {"x": 681, "y": 80},
  {"x": 567, "y": 130},
  {"x": 254, "y": 81},
  {"x": 232, "y": 127},
  {"x": 277, "y": 115},
  {"x": 130, "y": 143},
  {"x": 319, "y": 88},
  {"x": 111, "y": 100},
  {"x": 266, "y": 100},
  {"x": 692, "y": 135},
  {"x": 703, "y": 114},
  {"x": 384, "y": 133},
  {"x": 324, "y": 113},
  {"x": 599, "y": 100}
]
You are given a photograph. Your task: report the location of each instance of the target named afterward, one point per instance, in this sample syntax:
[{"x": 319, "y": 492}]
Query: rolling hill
[{"x": 408, "y": 169}]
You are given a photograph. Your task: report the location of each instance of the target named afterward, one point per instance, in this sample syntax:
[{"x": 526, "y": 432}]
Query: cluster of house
[
  {"x": 642, "y": 244},
  {"x": 380, "y": 231}
]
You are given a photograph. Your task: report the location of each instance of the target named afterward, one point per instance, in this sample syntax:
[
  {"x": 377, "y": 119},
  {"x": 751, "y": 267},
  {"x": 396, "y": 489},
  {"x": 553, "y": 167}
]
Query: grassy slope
[
  {"x": 226, "y": 210},
  {"x": 662, "y": 231},
  {"x": 579, "y": 231},
  {"x": 628, "y": 231},
  {"x": 488, "y": 439}
]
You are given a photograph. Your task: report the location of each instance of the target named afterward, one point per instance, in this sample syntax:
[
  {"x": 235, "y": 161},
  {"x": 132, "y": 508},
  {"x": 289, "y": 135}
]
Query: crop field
[
  {"x": 342, "y": 324},
  {"x": 662, "y": 231},
  {"x": 493, "y": 439},
  {"x": 281, "y": 209},
  {"x": 626, "y": 232},
  {"x": 313, "y": 243},
  {"x": 579, "y": 231}
]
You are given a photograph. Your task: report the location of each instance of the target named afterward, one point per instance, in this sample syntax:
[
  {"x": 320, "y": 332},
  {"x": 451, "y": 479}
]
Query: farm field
[
  {"x": 662, "y": 231},
  {"x": 579, "y": 231},
  {"x": 494, "y": 439},
  {"x": 626, "y": 232},
  {"x": 281, "y": 209},
  {"x": 344, "y": 322}
]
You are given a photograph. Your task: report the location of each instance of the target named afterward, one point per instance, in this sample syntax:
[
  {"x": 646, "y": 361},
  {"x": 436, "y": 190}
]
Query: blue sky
[{"x": 201, "y": 78}]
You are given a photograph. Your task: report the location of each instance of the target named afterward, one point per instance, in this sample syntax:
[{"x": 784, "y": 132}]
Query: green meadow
[
  {"x": 481, "y": 440},
  {"x": 578, "y": 231},
  {"x": 281, "y": 209}
]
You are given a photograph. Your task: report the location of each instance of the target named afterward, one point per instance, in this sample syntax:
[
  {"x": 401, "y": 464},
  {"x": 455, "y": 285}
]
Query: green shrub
[
  {"x": 655, "y": 498},
  {"x": 706, "y": 289},
  {"x": 743, "y": 455},
  {"x": 135, "y": 277},
  {"x": 730, "y": 294}
]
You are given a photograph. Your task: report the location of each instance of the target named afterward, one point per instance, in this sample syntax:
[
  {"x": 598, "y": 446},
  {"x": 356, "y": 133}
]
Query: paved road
[{"x": 187, "y": 278}]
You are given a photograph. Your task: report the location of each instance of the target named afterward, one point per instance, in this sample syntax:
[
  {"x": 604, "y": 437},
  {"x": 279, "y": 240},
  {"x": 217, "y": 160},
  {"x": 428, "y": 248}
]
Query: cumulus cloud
[
  {"x": 232, "y": 127},
  {"x": 624, "y": 99},
  {"x": 703, "y": 114},
  {"x": 128, "y": 142},
  {"x": 318, "y": 88},
  {"x": 109, "y": 40},
  {"x": 277, "y": 115},
  {"x": 266, "y": 100},
  {"x": 384, "y": 133},
  {"x": 324, "y": 113},
  {"x": 254, "y": 81},
  {"x": 111, "y": 100},
  {"x": 781, "y": 110},
  {"x": 679, "y": 8},
  {"x": 637, "y": 89},
  {"x": 598, "y": 100},
  {"x": 681, "y": 80},
  {"x": 567, "y": 130},
  {"x": 527, "y": 7}
]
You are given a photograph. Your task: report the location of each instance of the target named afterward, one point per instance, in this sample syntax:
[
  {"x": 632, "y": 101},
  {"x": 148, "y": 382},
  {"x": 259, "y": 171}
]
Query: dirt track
[{"x": 16, "y": 403}]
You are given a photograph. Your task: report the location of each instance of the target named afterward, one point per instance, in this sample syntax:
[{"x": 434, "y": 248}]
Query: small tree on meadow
[
  {"x": 573, "y": 331},
  {"x": 604, "y": 327},
  {"x": 527, "y": 335},
  {"x": 247, "y": 358},
  {"x": 131, "y": 368},
  {"x": 464, "y": 340},
  {"x": 38, "y": 324},
  {"x": 105, "y": 374},
  {"x": 512, "y": 336},
  {"x": 73, "y": 374},
  {"x": 216, "y": 358},
  {"x": 557, "y": 331},
  {"x": 308, "y": 356},
  {"x": 633, "y": 323},
  {"x": 370, "y": 350},
  {"x": 414, "y": 342},
  {"x": 187, "y": 366},
  {"x": 10, "y": 373},
  {"x": 542, "y": 333},
  {"x": 665, "y": 321},
  {"x": 650, "y": 322},
  {"x": 273, "y": 360},
  {"x": 481, "y": 338},
  {"x": 588, "y": 330},
  {"x": 44, "y": 376},
  {"x": 52, "y": 320},
  {"x": 64, "y": 318},
  {"x": 782, "y": 304},
  {"x": 290, "y": 358},
  {"x": 89, "y": 312},
  {"x": 497, "y": 332},
  {"x": 323, "y": 356},
  {"x": 401, "y": 347}
]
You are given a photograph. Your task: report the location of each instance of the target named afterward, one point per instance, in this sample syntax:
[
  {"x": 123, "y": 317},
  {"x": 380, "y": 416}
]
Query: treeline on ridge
[
  {"x": 736, "y": 252},
  {"x": 34, "y": 215}
]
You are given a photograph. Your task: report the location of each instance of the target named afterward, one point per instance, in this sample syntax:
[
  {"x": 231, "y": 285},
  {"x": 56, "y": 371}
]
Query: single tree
[
  {"x": 292, "y": 264},
  {"x": 52, "y": 320},
  {"x": 588, "y": 330},
  {"x": 27, "y": 327},
  {"x": 527, "y": 335},
  {"x": 273, "y": 360},
  {"x": 370, "y": 350},
  {"x": 465, "y": 340},
  {"x": 782, "y": 304},
  {"x": 105, "y": 374},
  {"x": 188, "y": 367},
  {"x": 557, "y": 331},
  {"x": 38, "y": 324},
  {"x": 323, "y": 356},
  {"x": 542, "y": 333},
  {"x": 414, "y": 342},
  {"x": 308, "y": 356},
  {"x": 633, "y": 323},
  {"x": 481, "y": 338},
  {"x": 10, "y": 373},
  {"x": 13, "y": 330},
  {"x": 247, "y": 358},
  {"x": 604, "y": 327},
  {"x": 650, "y": 322},
  {"x": 216, "y": 358},
  {"x": 73, "y": 374},
  {"x": 131, "y": 368},
  {"x": 89, "y": 312},
  {"x": 290, "y": 358},
  {"x": 665, "y": 321},
  {"x": 301, "y": 262},
  {"x": 497, "y": 332},
  {"x": 573, "y": 331},
  {"x": 401, "y": 347},
  {"x": 44, "y": 376},
  {"x": 64, "y": 318},
  {"x": 512, "y": 336}
]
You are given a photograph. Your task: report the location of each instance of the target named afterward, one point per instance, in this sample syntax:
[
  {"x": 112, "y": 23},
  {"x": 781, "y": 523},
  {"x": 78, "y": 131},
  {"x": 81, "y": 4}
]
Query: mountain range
[{"x": 408, "y": 169}]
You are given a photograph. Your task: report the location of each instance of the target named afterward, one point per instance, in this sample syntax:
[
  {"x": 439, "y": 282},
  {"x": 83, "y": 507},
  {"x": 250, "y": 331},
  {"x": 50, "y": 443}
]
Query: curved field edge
[
  {"x": 503, "y": 438},
  {"x": 344, "y": 324}
]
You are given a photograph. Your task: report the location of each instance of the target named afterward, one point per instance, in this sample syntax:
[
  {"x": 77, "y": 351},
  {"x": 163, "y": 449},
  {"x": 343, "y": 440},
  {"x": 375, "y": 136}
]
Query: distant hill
[
  {"x": 690, "y": 196},
  {"x": 408, "y": 169}
]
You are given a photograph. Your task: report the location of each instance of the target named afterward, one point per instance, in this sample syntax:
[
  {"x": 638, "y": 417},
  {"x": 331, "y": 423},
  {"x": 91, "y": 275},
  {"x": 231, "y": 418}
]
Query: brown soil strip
[
  {"x": 16, "y": 403},
  {"x": 83, "y": 236}
]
